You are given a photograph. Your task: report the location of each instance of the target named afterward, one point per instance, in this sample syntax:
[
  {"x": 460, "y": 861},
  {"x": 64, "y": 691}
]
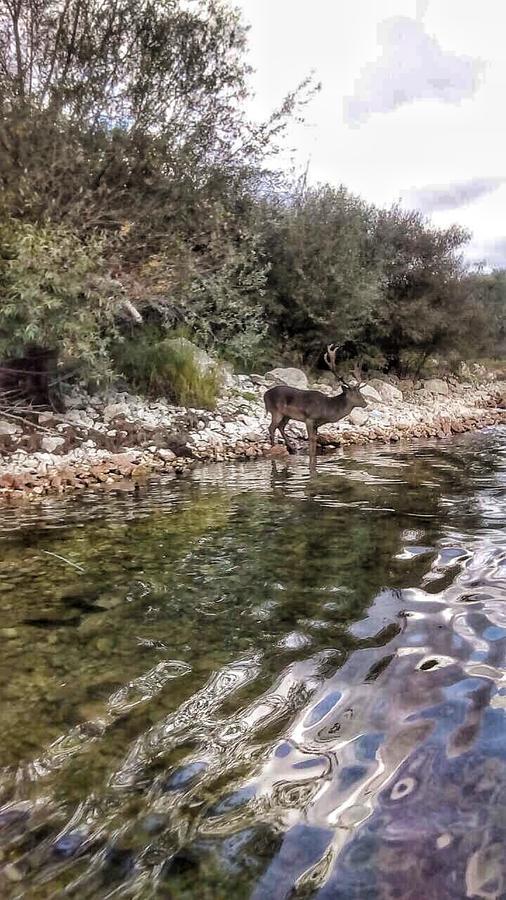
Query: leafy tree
[
  {"x": 323, "y": 284},
  {"x": 127, "y": 118},
  {"x": 423, "y": 308},
  {"x": 55, "y": 295},
  {"x": 488, "y": 294}
]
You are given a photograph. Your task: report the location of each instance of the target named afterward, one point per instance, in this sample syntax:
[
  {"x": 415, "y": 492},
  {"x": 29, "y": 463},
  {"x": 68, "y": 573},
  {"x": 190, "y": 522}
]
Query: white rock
[
  {"x": 166, "y": 454},
  {"x": 79, "y": 417},
  {"x": 358, "y": 416},
  {"x": 293, "y": 377},
  {"x": 50, "y": 442},
  {"x": 9, "y": 427},
  {"x": 370, "y": 393},
  {"x": 326, "y": 388},
  {"x": 437, "y": 386},
  {"x": 112, "y": 410},
  {"x": 252, "y": 436},
  {"x": 388, "y": 392}
]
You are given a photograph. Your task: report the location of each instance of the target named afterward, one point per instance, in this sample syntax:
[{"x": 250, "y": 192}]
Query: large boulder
[
  {"x": 370, "y": 393},
  {"x": 326, "y": 388},
  {"x": 437, "y": 386},
  {"x": 388, "y": 392},
  {"x": 293, "y": 377}
]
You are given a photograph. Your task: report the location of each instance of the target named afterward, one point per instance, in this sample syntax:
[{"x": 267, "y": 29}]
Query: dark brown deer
[{"x": 311, "y": 407}]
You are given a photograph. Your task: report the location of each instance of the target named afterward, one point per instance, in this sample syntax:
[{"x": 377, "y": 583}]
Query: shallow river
[{"x": 257, "y": 683}]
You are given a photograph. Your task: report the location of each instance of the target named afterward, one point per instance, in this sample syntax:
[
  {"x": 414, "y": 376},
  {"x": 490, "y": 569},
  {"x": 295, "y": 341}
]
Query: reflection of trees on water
[{"x": 270, "y": 761}]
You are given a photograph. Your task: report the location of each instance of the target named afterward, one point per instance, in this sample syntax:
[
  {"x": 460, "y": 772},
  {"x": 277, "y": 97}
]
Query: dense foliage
[
  {"x": 55, "y": 294},
  {"x": 129, "y": 170}
]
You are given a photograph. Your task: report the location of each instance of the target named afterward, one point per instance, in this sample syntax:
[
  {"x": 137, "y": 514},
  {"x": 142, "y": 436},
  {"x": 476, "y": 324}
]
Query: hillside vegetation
[{"x": 133, "y": 184}]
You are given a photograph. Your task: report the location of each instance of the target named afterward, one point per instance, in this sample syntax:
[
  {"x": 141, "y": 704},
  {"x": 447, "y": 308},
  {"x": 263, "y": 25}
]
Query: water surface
[{"x": 257, "y": 683}]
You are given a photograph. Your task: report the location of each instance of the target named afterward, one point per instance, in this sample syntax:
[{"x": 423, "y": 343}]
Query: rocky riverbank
[{"x": 113, "y": 440}]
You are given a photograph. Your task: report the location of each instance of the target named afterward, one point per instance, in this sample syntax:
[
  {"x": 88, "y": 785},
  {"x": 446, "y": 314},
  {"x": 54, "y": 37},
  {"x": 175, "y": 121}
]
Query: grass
[{"x": 158, "y": 368}]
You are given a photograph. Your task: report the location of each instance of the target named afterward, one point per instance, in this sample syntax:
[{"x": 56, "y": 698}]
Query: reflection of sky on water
[{"x": 356, "y": 745}]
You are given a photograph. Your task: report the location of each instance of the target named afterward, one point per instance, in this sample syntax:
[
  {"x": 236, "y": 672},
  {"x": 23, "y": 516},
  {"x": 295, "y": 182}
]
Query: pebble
[{"x": 236, "y": 430}]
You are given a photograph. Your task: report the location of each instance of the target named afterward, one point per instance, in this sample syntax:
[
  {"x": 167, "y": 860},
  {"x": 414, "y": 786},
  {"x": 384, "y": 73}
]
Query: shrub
[
  {"x": 160, "y": 368},
  {"x": 55, "y": 295}
]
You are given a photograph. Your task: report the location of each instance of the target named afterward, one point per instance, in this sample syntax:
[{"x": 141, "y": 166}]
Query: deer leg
[
  {"x": 282, "y": 425},
  {"x": 272, "y": 428},
  {"x": 311, "y": 434}
]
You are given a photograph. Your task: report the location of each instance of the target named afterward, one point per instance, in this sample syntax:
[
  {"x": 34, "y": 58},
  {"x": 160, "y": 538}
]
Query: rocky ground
[{"x": 111, "y": 440}]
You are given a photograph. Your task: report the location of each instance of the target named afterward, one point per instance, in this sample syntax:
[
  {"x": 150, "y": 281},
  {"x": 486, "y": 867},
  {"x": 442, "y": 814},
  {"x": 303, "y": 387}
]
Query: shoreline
[{"x": 116, "y": 440}]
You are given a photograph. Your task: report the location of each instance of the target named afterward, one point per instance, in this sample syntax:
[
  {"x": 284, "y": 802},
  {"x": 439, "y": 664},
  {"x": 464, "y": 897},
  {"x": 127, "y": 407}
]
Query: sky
[{"x": 412, "y": 106}]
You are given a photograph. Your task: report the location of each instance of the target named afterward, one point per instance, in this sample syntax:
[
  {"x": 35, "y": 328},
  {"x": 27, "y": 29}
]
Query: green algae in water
[{"x": 260, "y": 681}]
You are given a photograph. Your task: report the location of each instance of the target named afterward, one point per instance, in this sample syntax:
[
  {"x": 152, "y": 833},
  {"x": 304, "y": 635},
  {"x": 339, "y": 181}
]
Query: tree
[
  {"x": 322, "y": 283},
  {"x": 424, "y": 307},
  {"x": 56, "y": 296},
  {"x": 488, "y": 294},
  {"x": 126, "y": 118}
]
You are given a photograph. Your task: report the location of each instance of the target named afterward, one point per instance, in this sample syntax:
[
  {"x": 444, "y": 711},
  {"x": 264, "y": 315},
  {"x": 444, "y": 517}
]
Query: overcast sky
[{"x": 412, "y": 106}]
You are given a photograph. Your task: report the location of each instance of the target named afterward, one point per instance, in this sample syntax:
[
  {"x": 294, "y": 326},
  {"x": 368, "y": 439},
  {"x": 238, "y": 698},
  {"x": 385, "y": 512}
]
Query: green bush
[
  {"x": 55, "y": 295},
  {"x": 157, "y": 367}
]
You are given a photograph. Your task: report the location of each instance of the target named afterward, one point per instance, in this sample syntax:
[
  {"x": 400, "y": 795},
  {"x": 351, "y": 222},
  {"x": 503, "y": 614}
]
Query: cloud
[
  {"x": 412, "y": 66},
  {"x": 491, "y": 253},
  {"x": 434, "y": 198},
  {"x": 421, "y": 8}
]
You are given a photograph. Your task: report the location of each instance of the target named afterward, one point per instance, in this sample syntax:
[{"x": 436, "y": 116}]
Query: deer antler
[
  {"x": 358, "y": 374},
  {"x": 330, "y": 359}
]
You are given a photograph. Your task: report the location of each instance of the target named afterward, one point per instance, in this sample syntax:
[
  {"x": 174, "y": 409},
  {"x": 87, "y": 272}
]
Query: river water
[{"x": 260, "y": 683}]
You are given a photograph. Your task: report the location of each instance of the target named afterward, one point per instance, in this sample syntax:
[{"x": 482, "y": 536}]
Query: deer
[{"x": 311, "y": 407}]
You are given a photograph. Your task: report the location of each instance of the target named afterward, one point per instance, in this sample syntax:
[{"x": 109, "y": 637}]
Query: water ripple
[{"x": 260, "y": 683}]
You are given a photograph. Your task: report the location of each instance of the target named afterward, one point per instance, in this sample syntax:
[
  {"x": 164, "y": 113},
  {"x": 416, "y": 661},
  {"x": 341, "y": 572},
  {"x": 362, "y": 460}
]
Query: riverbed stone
[
  {"x": 9, "y": 428},
  {"x": 437, "y": 386},
  {"x": 325, "y": 388},
  {"x": 79, "y": 417},
  {"x": 358, "y": 416},
  {"x": 388, "y": 392},
  {"x": 115, "y": 410},
  {"x": 293, "y": 377},
  {"x": 50, "y": 442},
  {"x": 166, "y": 454},
  {"x": 370, "y": 393}
]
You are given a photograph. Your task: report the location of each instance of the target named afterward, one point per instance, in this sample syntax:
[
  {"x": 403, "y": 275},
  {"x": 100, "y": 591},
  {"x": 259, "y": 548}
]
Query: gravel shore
[{"x": 113, "y": 440}]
